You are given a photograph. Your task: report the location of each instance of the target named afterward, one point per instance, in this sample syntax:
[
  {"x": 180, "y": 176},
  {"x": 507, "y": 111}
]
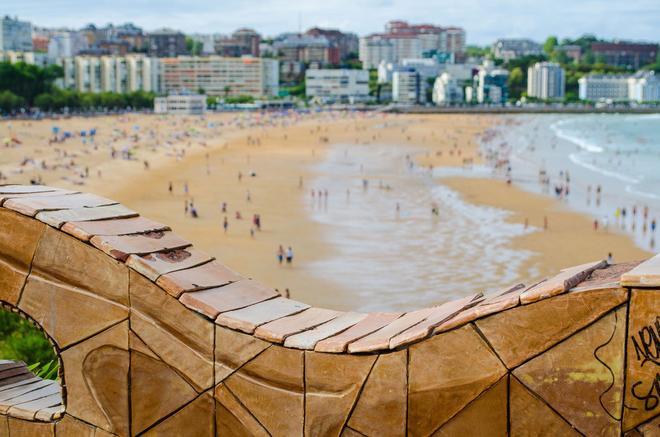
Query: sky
[{"x": 483, "y": 20}]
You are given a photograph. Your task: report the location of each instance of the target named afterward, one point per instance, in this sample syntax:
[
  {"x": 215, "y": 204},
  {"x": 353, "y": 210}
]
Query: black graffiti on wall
[{"x": 646, "y": 343}]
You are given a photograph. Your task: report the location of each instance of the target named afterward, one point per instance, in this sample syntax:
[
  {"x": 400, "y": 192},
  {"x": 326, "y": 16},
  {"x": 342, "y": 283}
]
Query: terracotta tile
[
  {"x": 611, "y": 273},
  {"x": 233, "y": 349},
  {"x": 156, "y": 391},
  {"x": 195, "y": 368},
  {"x": 445, "y": 373},
  {"x": 381, "y": 408},
  {"x": 4, "y": 387},
  {"x": 249, "y": 318},
  {"x": 123, "y": 226},
  {"x": 564, "y": 281},
  {"x": 348, "y": 432},
  {"x": 55, "y": 192},
  {"x": 120, "y": 247},
  {"x": 489, "y": 305},
  {"x": 280, "y": 329},
  {"x": 59, "y": 309},
  {"x": 381, "y": 339},
  {"x": 522, "y": 332},
  {"x": 62, "y": 258},
  {"x": 70, "y": 426},
  {"x": 332, "y": 383},
  {"x": 19, "y": 237},
  {"x": 195, "y": 419},
  {"x": 371, "y": 323},
  {"x": 271, "y": 387},
  {"x": 309, "y": 338},
  {"x": 156, "y": 264},
  {"x": 171, "y": 316},
  {"x": 531, "y": 416},
  {"x": 642, "y": 359},
  {"x": 230, "y": 297},
  {"x": 486, "y": 415},
  {"x": 97, "y": 379},
  {"x": 30, "y": 206},
  {"x": 22, "y": 189},
  {"x": 50, "y": 414},
  {"x": 41, "y": 390},
  {"x": 582, "y": 377},
  {"x": 650, "y": 428},
  {"x": 25, "y": 428},
  {"x": 57, "y": 218},
  {"x": 27, "y": 410},
  {"x": 435, "y": 318},
  {"x": 233, "y": 419},
  {"x": 209, "y": 275},
  {"x": 647, "y": 274},
  {"x": 8, "y": 397}
]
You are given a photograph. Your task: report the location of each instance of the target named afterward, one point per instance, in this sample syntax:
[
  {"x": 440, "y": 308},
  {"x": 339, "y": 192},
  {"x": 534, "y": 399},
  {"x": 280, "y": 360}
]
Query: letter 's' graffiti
[{"x": 646, "y": 343}]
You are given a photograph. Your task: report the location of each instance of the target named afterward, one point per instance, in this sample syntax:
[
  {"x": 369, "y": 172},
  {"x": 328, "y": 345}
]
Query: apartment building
[
  {"x": 15, "y": 35},
  {"x": 220, "y": 76},
  {"x": 546, "y": 80},
  {"x": 344, "y": 86},
  {"x": 402, "y": 40},
  {"x": 626, "y": 54},
  {"x": 406, "y": 87},
  {"x": 32, "y": 58},
  {"x": 119, "y": 74},
  {"x": 643, "y": 86},
  {"x": 511, "y": 48}
]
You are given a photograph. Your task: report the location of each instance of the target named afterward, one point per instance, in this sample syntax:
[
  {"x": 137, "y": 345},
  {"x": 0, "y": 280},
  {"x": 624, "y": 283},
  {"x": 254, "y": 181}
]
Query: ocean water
[
  {"x": 620, "y": 153},
  {"x": 387, "y": 260}
]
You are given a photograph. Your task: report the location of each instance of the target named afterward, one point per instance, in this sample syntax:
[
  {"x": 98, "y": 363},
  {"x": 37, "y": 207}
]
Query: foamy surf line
[{"x": 397, "y": 260}]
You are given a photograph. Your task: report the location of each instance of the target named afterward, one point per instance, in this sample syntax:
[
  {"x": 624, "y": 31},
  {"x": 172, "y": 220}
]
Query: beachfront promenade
[{"x": 153, "y": 336}]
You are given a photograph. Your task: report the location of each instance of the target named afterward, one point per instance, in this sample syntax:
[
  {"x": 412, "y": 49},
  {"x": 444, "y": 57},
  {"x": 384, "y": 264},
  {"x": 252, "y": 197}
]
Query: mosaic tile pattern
[{"x": 157, "y": 338}]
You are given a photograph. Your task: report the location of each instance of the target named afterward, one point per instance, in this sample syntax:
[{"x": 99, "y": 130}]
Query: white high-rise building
[
  {"x": 345, "y": 86},
  {"x": 15, "y": 35},
  {"x": 546, "y": 80},
  {"x": 65, "y": 44},
  {"x": 374, "y": 49},
  {"x": 447, "y": 90},
  {"x": 406, "y": 87}
]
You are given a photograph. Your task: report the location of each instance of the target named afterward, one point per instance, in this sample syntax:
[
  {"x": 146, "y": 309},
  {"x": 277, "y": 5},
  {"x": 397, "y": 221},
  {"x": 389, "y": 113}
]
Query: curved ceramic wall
[{"x": 156, "y": 337}]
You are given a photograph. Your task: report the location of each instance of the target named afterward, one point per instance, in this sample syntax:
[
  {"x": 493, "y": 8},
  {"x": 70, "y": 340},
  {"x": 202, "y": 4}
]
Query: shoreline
[{"x": 280, "y": 152}]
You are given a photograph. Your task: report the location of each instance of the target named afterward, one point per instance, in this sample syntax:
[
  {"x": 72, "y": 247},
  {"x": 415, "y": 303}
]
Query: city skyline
[{"x": 505, "y": 19}]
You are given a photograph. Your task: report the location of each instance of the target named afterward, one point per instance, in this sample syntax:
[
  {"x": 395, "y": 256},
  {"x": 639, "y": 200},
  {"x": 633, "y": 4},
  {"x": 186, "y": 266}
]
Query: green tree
[
  {"x": 516, "y": 83},
  {"x": 10, "y": 102},
  {"x": 550, "y": 44},
  {"x": 20, "y": 340}
]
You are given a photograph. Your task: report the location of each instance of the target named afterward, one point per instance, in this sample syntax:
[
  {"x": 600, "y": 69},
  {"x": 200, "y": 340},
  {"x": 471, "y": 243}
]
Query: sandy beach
[{"x": 270, "y": 165}]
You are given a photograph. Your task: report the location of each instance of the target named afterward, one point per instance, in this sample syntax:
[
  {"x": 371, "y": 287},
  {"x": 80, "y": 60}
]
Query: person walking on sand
[
  {"x": 610, "y": 259},
  {"x": 280, "y": 254},
  {"x": 225, "y": 224},
  {"x": 289, "y": 255},
  {"x": 170, "y": 188}
]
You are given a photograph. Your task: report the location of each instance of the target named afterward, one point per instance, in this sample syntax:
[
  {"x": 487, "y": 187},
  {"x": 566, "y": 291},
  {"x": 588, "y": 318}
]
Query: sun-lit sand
[{"x": 276, "y": 159}]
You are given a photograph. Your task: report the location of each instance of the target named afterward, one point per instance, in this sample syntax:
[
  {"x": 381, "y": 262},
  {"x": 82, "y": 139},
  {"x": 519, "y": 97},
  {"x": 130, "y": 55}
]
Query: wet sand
[{"x": 280, "y": 152}]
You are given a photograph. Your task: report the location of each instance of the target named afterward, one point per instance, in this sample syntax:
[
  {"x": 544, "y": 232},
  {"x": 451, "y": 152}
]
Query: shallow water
[
  {"x": 411, "y": 258},
  {"x": 621, "y": 153}
]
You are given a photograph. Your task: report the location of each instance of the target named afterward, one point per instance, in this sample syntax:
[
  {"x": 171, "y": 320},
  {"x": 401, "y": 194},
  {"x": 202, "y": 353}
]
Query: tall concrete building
[
  {"x": 220, "y": 76},
  {"x": 546, "y": 81},
  {"x": 166, "y": 43},
  {"x": 343, "y": 86},
  {"x": 406, "y": 87},
  {"x": 95, "y": 74},
  {"x": 15, "y": 35},
  {"x": 402, "y": 40},
  {"x": 491, "y": 84}
]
